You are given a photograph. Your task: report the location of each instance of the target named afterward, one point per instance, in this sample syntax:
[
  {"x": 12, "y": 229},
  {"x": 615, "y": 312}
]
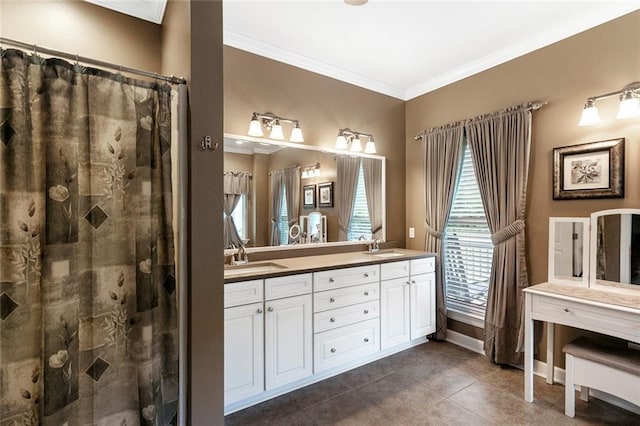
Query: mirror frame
[
  {"x": 329, "y": 151},
  {"x": 586, "y": 270},
  {"x": 604, "y": 284}
]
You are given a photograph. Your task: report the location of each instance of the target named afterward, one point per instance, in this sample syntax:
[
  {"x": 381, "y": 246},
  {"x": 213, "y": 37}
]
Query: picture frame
[
  {"x": 325, "y": 194},
  {"x": 309, "y": 196},
  {"x": 590, "y": 170}
]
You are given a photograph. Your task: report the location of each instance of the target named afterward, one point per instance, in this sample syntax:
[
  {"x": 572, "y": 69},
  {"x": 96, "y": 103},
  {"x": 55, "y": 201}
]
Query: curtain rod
[
  {"x": 38, "y": 49},
  {"x": 531, "y": 106}
]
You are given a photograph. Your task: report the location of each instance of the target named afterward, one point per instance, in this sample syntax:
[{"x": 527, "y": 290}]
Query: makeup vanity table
[{"x": 586, "y": 289}]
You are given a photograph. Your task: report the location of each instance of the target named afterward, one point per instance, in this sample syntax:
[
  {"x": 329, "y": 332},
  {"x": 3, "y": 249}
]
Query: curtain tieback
[
  {"x": 432, "y": 232},
  {"x": 342, "y": 227},
  {"x": 376, "y": 229},
  {"x": 507, "y": 232}
]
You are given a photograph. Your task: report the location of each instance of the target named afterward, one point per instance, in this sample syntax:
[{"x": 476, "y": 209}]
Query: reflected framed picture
[
  {"x": 325, "y": 194},
  {"x": 309, "y": 196},
  {"x": 590, "y": 170}
]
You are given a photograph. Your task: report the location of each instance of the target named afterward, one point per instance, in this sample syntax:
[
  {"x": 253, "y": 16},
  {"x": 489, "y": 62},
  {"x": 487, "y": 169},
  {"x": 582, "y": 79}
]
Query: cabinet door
[
  {"x": 394, "y": 312},
  {"x": 289, "y": 339},
  {"x": 243, "y": 352},
  {"x": 423, "y": 312}
]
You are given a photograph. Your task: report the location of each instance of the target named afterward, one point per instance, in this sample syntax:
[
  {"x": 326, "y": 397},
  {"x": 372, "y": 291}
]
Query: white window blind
[
  {"x": 467, "y": 247},
  {"x": 360, "y": 226},
  {"x": 283, "y": 225},
  {"x": 239, "y": 215}
]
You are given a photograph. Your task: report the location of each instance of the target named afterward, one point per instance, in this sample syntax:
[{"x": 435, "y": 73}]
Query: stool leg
[
  {"x": 569, "y": 387},
  {"x": 584, "y": 393}
]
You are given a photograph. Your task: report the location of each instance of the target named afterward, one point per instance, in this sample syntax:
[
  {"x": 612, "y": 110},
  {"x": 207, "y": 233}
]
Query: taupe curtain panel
[
  {"x": 292, "y": 189},
  {"x": 347, "y": 175},
  {"x": 276, "y": 180},
  {"x": 235, "y": 184},
  {"x": 88, "y": 309},
  {"x": 500, "y": 146},
  {"x": 372, "y": 171},
  {"x": 442, "y": 154}
]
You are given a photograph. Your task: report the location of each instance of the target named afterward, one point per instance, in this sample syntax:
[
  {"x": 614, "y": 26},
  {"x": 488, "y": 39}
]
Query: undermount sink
[
  {"x": 252, "y": 268},
  {"x": 386, "y": 253}
]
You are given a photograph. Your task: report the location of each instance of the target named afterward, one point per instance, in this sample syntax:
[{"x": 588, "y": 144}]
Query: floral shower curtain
[{"x": 88, "y": 315}]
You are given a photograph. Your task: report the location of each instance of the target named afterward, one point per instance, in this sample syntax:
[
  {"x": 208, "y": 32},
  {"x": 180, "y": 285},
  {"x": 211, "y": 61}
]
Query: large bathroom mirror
[
  {"x": 569, "y": 250},
  {"x": 319, "y": 194},
  {"x": 615, "y": 249}
]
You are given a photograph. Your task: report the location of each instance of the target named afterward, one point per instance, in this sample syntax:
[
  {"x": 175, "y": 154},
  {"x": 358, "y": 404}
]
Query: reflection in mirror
[
  {"x": 616, "y": 248},
  {"x": 270, "y": 165},
  {"x": 568, "y": 250}
]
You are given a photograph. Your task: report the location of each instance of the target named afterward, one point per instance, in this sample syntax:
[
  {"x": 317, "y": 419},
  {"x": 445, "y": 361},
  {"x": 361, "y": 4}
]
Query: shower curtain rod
[{"x": 38, "y": 49}]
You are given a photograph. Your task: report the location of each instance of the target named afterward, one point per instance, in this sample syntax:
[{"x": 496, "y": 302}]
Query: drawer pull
[
  {"x": 332, "y": 320},
  {"x": 366, "y": 275},
  {"x": 333, "y": 350},
  {"x": 413, "y": 281},
  {"x": 332, "y": 300},
  {"x": 408, "y": 283},
  {"x": 331, "y": 280},
  {"x": 259, "y": 310},
  {"x": 366, "y": 293},
  {"x": 366, "y": 340},
  {"x": 566, "y": 309},
  {"x": 270, "y": 309},
  {"x": 366, "y": 311}
]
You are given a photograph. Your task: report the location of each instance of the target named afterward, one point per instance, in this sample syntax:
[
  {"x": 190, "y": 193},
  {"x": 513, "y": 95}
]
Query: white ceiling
[
  {"x": 400, "y": 48},
  {"x": 406, "y": 48}
]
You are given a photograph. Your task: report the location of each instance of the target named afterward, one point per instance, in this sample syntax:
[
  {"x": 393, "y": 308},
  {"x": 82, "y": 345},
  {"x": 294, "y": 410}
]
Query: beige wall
[
  {"x": 598, "y": 61},
  {"x": 323, "y": 105}
]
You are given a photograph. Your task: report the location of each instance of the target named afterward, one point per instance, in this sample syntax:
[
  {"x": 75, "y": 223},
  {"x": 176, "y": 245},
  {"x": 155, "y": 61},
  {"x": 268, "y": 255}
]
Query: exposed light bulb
[
  {"x": 341, "y": 142},
  {"x": 255, "y": 128},
  {"x": 629, "y": 106},
  {"x": 590, "y": 114}
]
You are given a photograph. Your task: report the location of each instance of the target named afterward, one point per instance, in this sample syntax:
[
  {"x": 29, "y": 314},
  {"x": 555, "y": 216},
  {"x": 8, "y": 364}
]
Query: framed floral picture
[
  {"x": 309, "y": 196},
  {"x": 325, "y": 194},
  {"x": 590, "y": 170}
]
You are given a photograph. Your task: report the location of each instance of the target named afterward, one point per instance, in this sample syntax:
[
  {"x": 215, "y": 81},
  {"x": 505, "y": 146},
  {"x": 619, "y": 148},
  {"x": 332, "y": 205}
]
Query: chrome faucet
[
  {"x": 241, "y": 256},
  {"x": 374, "y": 246}
]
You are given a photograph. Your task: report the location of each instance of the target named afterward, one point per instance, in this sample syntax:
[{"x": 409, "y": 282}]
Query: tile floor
[{"x": 436, "y": 383}]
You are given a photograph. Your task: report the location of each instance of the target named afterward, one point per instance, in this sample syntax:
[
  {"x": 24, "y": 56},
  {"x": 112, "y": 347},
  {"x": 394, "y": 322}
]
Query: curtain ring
[{"x": 77, "y": 63}]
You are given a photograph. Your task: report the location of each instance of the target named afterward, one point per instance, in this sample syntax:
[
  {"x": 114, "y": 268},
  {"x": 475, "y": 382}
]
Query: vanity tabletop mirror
[
  {"x": 261, "y": 157},
  {"x": 569, "y": 250}
]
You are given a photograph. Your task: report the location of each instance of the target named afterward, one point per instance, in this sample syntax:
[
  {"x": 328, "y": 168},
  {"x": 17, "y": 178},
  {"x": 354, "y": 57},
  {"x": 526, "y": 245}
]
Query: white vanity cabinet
[
  {"x": 288, "y": 329},
  {"x": 346, "y": 315},
  {"x": 407, "y": 302},
  {"x": 243, "y": 340}
]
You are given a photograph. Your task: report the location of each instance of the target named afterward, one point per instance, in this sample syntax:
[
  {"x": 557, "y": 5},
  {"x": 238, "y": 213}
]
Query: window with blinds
[
  {"x": 283, "y": 225},
  {"x": 239, "y": 216},
  {"x": 467, "y": 247},
  {"x": 360, "y": 226}
]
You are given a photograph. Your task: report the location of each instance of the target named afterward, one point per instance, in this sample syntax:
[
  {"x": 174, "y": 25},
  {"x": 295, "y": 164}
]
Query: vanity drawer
[
  {"x": 338, "y": 298},
  {"x": 389, "y": 271},
  {"x": 625, "y": 325},
  {"x": 327, "y": 280},
  {"x": 423, "y": 266},
  {"x": 292, "y": 285},
  {"x": 341, "y": 345},
  {"x": 243, "y": 293},
  {"x": 334, "y": 318}
]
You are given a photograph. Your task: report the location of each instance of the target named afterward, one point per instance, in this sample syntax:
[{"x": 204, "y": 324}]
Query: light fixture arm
[
  {"x": 634, "y": 88},
  {"x": 350, "y": 134},
  {"x": 268, "y": 118}
]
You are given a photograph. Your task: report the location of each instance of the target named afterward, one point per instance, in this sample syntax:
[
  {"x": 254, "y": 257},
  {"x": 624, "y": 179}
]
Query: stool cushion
[{"x": 606, "y": 352}]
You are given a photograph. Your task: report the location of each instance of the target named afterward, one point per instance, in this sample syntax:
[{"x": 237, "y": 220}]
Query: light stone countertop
[
  {"x": 297, "y": 265},
  {"x": 598, "y": 296}
]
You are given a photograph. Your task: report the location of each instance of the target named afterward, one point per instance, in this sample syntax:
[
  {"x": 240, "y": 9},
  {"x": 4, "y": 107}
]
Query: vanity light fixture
[
  {"x": 348, "y": 139},
  {"x": 629, "y": 105},
  {"x": 311, "y": 171},
  {"x": 272, "y": 123}
]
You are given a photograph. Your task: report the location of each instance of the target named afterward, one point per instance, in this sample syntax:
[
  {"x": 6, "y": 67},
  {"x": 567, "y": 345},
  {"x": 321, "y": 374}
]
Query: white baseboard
[{"x": 540, "y": 369}]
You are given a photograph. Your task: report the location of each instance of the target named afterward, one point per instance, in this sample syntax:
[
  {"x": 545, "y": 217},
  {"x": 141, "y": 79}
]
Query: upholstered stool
[{"x": 604, "y": 365}]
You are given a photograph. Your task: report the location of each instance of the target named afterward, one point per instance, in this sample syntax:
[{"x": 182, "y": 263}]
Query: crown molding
[{"x": 148, "y": 10}]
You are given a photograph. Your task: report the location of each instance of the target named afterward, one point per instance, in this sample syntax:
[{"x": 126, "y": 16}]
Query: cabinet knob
[
  {"x": 332, "y": 320},
  {"x": 332, "y": 300},
  {"x": 366, "y": 275},
  {"x": 366, "y": 293},
  {"x": 408, "y": 283},
  {"x": 566, "y": 309},
  {"x": 413, "y": 281},
  {"x": 366, "y": 311},
  {"x": 259, "y": 310},
  {"x": 331, "y": 280},
  {"x": 366, "y": 340},
  {"x": 270, "y": 309},
  {"x": 333, "y": 350}
]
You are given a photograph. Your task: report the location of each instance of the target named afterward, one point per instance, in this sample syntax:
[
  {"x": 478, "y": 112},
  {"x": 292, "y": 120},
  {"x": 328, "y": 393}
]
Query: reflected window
[
  {"x": 467, "y": 248},
  {"x": 283, "y": 225},
  {"x": 360, "y": 225},
  {"x": 239, "y": 215}
]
